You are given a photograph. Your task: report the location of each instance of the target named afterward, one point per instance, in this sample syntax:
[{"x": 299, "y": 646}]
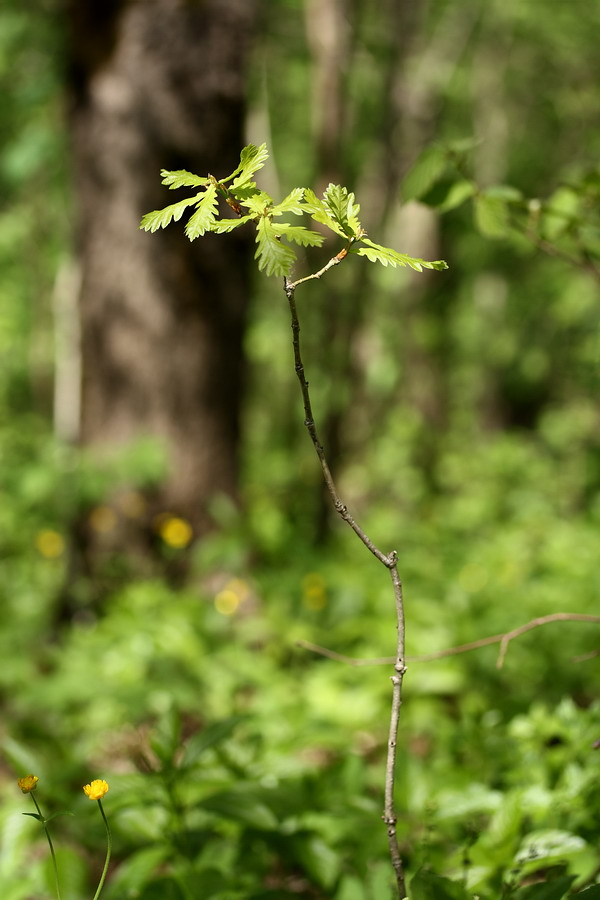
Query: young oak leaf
[
  {"x": 252, "y": 159},
  {"x": 257, "y": 203},
  {"x": 224, "y": 226},
  {"x": 344, "y": 210},
  {"x": 181, "y": 178},
  {"x": 160, "y": 218},
  {"x": 292, "y": 203},
  {"x": 388, "y": 257},
  {"x": 202, "y": 219},
  {"x": 299, "y": 234},
  {"x": 274, "y": 258},
  {"x": 320, "y": 213}
]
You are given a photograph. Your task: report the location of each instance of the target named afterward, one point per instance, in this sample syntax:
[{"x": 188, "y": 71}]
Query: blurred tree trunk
[{"x": 160, "y": 84}]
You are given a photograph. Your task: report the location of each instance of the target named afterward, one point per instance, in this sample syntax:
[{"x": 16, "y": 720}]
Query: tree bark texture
[{"x": 160, "y": 84}]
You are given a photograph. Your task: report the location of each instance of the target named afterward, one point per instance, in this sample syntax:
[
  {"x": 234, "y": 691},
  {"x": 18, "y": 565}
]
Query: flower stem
[
  {"x": 108, "y": 852},
  {"x": 50, "y": 844}
]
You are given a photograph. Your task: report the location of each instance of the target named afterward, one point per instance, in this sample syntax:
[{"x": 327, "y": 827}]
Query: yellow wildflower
[
  {"x": 50, "y": 543},
  {"x": 227, "y": 602},
  {"x": 96, "y": 790},
  {"x": 235, "y": 592},
  {"x": 176, "y": 532},
  {"x": 28, "y": 783}
]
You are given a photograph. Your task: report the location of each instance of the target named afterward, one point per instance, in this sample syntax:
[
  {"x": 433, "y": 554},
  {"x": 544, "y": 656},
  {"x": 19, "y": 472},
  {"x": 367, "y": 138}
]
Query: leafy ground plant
[{"x": 338, "y": 212}]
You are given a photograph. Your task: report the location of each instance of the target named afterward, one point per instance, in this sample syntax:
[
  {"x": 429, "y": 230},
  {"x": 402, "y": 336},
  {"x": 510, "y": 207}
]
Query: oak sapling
[{"x": 338, "y": 211}]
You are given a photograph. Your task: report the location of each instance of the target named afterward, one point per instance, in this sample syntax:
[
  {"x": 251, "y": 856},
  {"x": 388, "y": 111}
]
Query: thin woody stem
[
  {"x": 334, "y": 261},
  {"x": 341, "y": 508},
  {"x": 388, "y": 560},
  {"x": 389, "y": 815}
]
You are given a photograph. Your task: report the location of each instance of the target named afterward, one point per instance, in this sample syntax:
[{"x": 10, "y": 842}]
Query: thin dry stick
[
  {"x": 502, "y": 639},
  {"x": 388, "y": 560}
]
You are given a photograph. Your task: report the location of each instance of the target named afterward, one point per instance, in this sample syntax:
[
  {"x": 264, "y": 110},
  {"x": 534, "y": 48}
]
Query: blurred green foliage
[{"x": 240, "y": 765}]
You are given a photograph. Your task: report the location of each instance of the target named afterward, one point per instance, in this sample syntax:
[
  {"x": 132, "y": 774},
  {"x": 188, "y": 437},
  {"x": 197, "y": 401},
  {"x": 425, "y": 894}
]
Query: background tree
[{"x": 153, "y": 85}]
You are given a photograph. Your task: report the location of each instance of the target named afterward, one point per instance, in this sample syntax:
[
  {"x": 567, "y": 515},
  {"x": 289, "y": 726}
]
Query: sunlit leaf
[
  {"x": 319, "y": 212},
  {"x": 299, "y": 234},
  {"x": 160, "y": 218},
  {"x": 292, "y": 203},
  {"x": 252, "y": 158},
  {"x": 343, "y": 209},
  {"x": 258, "y": 202},
  {"x": 274, "y": 257},
  {"x": 224, "y": 226},
  {"x": 181, "y": 178},
  {"x": 204, "y": 216},
  {"x": 388, "y": 257}
]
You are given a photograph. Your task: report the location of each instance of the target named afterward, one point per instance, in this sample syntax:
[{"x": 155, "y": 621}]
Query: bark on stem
[{"x": 388, "y": 560}]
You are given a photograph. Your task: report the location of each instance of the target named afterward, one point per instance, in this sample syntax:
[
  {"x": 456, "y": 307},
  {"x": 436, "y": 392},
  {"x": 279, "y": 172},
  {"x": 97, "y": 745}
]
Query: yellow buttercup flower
[
  {"x": 28, "y": 783},
  {"x": 176, "y": 532},
  {"x": 50, "y": 543},
  {"x": 96, "y": 790}
]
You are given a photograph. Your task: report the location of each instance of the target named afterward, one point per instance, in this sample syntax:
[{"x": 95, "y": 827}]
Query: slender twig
[
  {"x": 503, "y": 639},
  {"x": 334, "y": 261},
  {"x": 388, "y": 560}
]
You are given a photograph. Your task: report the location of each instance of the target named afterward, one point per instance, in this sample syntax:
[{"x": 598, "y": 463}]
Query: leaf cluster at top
[{"x": 337, "y": 211}]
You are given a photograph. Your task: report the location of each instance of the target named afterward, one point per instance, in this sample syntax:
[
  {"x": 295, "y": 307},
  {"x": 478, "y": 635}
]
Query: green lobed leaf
[
  {"x": 245, "y": 191},
  {"x": 319, "y": 212},
  {"x": 257, "y": 202},
  {"x": 292, "y": 203},
  {"x": 160, "y": 218},
  {"x": 299, "y": 234},
  {"x": 204, "y": 216},
  {"x": 252, "y": 158},
  {"x": 181, "y": 178},
  {"x": 343, "y": 209},
  {"x": 388, "y": 257},
  {"x": 273, "y": 257},
  {"x": 224, "y": 226}
]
